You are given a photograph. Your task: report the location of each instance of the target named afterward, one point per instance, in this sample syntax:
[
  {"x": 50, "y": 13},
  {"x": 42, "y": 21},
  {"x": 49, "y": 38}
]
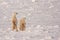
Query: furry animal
[
  {"x": 22, "y": 24},
  {"x": 14, "y": 21}
]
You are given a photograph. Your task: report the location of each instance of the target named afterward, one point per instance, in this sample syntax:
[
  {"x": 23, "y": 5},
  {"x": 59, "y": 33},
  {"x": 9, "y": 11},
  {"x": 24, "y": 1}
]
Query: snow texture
[{"x": 42, "y": 19}]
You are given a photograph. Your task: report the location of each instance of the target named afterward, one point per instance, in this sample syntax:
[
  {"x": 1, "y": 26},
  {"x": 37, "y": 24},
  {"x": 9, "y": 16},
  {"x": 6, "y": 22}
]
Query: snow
[
  {"x": 33, "y": 0},
  {"x": 40, "y": 24}
]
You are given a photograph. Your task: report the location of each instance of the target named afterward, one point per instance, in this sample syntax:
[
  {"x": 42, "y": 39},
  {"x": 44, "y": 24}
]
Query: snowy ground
[{"x": 42, "y": 19}]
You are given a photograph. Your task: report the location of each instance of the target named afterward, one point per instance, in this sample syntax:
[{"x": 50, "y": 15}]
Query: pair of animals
[{"x": 22, "y": 23}]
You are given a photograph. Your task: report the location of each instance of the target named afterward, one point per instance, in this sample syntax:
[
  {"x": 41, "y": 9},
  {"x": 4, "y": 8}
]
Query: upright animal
[
  {"x": 14, "y": 22},
  {"x": 22, "y": 24}
]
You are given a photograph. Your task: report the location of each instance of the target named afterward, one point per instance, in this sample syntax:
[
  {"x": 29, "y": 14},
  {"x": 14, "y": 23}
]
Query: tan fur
[
  {"x": 22, "y": 24},
  {"x": 14, "y": 22}
]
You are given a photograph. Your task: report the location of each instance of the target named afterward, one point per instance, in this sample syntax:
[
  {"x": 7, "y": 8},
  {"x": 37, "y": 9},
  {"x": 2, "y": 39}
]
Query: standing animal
[
  {"x": 22, "y": 24},
  {"x": 14, "y": 21}
]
